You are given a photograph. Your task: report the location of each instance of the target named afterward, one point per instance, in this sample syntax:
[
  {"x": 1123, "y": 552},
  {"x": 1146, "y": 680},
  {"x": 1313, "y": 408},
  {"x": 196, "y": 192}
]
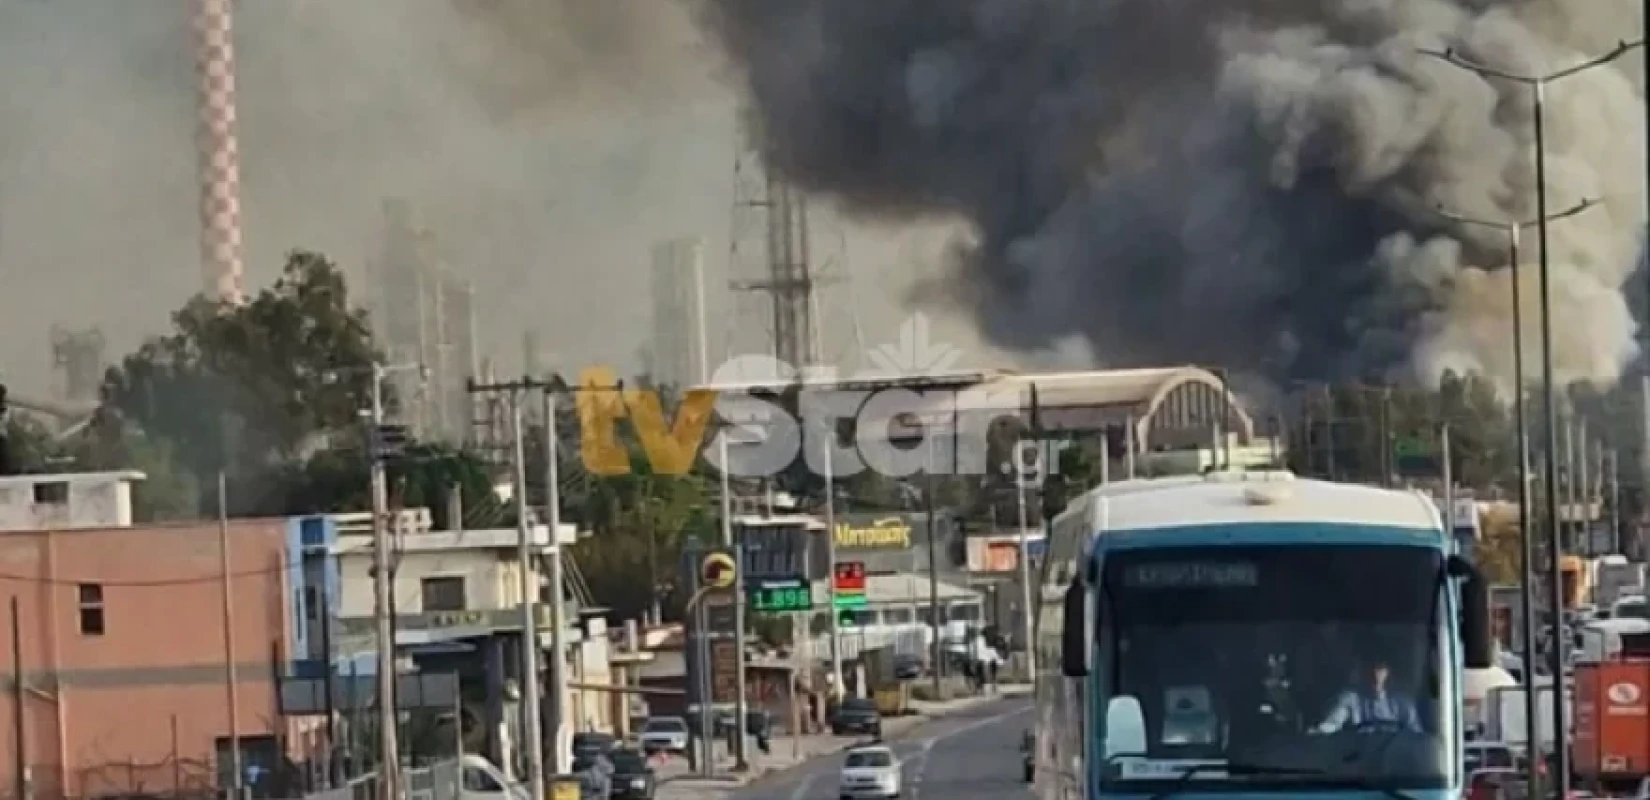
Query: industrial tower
[
  {"x": 78, "y": 356},
  {"x": 767, "y": 206},
  {"x": 678, "y": 349},
  {"x": 218, "y": 151},
  {"x": 428, "y": 318}
]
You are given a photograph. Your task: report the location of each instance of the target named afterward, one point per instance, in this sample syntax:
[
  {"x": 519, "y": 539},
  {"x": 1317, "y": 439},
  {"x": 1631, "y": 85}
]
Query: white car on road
[
  {"x": 664, "y": 734},
  {"x": 870, "y": 772}
]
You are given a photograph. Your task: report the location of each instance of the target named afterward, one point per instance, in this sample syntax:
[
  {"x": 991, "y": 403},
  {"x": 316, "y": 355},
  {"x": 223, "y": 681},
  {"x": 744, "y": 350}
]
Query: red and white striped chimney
[{"x": 218, "y": 151}]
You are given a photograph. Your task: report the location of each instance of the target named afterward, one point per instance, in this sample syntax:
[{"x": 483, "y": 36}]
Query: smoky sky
[
  {"x": 545, "y": 144},
  {"x": 1253, "y": 184}
]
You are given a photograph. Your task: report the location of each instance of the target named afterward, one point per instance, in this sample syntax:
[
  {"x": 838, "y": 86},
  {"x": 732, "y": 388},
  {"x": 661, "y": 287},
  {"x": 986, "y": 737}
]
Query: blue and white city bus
[{"x": 1198, "y": 634}]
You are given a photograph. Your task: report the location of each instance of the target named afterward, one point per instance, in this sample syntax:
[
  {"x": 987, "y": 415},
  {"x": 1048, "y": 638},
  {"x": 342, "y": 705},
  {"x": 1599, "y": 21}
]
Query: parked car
[
  {"x": 633, "y": 777},
  {"x": 870, "y": 772},
  {"x": 1488, "y": 755},
  {"x": 857, "y": 715},
  {"x": 664, "y": 735},
  {"x": 907, "y": 668},
  {"x": 593, "y": 743}
]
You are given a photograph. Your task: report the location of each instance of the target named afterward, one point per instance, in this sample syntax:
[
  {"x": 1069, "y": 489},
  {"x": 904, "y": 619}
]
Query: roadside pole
[
  {"x": 558, "y": 649},
  {"x": 838, "y": 691},
  {"x": 533, "y": 691},
  {"x": 19, "y": 711},
  {"x": 741, "y": 701},
  {"x": 389, "y": 754},
  {"x": 531, "y": 700},
  {"x": 1026, "y": 476},
  {"x": 717, "y": 571},
  {"x": 231, "y": 681}
]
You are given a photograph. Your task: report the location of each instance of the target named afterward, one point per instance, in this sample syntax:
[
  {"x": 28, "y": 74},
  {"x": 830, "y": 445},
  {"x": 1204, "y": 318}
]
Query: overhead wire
[{"x": 154, "y": 583}]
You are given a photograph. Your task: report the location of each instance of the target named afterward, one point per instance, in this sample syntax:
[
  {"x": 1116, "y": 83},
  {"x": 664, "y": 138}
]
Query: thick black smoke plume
[{"x": 1248, "y": 183}]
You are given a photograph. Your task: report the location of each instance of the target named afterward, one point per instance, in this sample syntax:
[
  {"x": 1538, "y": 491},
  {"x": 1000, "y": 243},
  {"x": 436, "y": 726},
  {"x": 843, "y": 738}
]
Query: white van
[{"x": 1601, "y": 640}]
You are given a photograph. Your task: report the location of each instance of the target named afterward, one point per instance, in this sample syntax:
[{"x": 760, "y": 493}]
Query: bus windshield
[{"x": 1292, "y": 665}]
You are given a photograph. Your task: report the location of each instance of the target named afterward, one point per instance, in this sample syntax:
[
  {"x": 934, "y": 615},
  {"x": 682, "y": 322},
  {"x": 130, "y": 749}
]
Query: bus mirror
[
  {"x": 1125, "y": 728},
  {"x": 1457, "y": 566},
  {"x": 1077, "y": 637},
  {"x": 1477, "y": 648}
]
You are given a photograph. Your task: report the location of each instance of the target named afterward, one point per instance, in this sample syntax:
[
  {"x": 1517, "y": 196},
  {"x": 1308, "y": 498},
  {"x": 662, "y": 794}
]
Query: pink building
[{"x": 126, "y": 670}]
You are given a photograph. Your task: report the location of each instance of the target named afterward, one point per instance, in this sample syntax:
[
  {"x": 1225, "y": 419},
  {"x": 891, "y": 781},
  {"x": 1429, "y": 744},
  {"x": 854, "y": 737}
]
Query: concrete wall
[
  {"x": 142, "y": 703},
  {"x": 70, "y": 500},
  {"x": 489, "y": 581},
  {"x": 486, "y": 559}
]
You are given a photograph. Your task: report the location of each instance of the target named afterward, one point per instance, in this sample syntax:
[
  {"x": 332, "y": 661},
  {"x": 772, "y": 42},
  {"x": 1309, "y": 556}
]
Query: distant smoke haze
[
  {"x": 1246, "y": 183},
  {"x": 546, "y": 143}
]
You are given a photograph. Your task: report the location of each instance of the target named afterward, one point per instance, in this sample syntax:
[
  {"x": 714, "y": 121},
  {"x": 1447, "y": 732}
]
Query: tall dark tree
[{"x": 251, "y": 389}]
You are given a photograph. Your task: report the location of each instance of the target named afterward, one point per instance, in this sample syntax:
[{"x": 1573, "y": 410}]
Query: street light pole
[
  {"x": 1526, "y": 540},
  {"x": 389, "y": 757},
  {"x": 837, "y": 689},
  {"x": 1538, "y": 88},
  {"x": 532, "y": 691},
  {"x": 531, "y": 698},
  {"x": 389, "y": 753},
  {"x": 1025, "y": 476},
  {"x": 559, "y": 756}
]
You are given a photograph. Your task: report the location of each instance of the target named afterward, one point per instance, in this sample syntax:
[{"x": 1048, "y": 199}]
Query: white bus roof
[{"x": 1234, "y": 497}]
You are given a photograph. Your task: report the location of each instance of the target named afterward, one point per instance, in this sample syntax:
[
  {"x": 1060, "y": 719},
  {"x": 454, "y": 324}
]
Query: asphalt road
[{"x": 968, "y": 755}]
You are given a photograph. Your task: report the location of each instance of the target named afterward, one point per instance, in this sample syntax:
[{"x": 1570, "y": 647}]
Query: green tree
[
  {"x": 339, "y": 479},
  {"x": 168, "y": 490},
  {"x": 30, "y": 446},
  {"x": 251, "y": 389},
  {"x": 1358, "y": 432},
  {"x": 638, "y": 522}
]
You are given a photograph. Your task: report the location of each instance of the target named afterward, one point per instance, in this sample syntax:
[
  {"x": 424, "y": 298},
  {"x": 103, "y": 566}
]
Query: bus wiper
[
  {"x": 1348, "y": 781},
  {"x": 1185, "y": 777}
]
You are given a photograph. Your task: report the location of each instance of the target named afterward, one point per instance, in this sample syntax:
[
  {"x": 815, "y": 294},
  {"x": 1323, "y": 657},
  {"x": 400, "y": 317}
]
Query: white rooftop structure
[
  {"x": 1166, "y": 406},
  {"x": 68, "y": 500}
]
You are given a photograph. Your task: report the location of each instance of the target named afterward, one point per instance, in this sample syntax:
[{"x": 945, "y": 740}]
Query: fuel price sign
[{"x": 781, "y": 597}]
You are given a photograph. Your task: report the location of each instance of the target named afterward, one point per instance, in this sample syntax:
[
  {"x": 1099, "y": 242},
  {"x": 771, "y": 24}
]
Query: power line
[{"x": 150, "y": 584}]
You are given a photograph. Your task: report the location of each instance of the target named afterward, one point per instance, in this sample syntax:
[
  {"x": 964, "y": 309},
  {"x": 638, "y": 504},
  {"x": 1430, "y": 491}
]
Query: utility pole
[
  {"x": 1025, "y": 476},
  {"x": 532, "y": 695},
  {"x": 230, "y": 679},
  {"x": 389, "y": 755},
  {"x": 531, "y": 700},
  {"x": 936, "y": 613},
  {"x": 1584, "y": 460},
  {"x": 1537, "y": 84},
  {"x": 740, "y": 701},
  {"x": 329, "y": 684},
  {"x": 1526, "y": 514},
  {"x": 1386, "y": 460},
  {"x": 1614, "y": 475},
  {"x": 552, "y": 518},
  {"x": 1449, "y": 480},
  {"x": 19, "y": 714},
  {"x": 1571, "y": 540},
  {"x": 837, "y": 688},
  {"x": 1644, "y": 382}
]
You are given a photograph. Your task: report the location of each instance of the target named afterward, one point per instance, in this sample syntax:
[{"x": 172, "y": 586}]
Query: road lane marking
[
  {"x": 928, "y": 744},
  {"x": 807, "y": 782}
]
